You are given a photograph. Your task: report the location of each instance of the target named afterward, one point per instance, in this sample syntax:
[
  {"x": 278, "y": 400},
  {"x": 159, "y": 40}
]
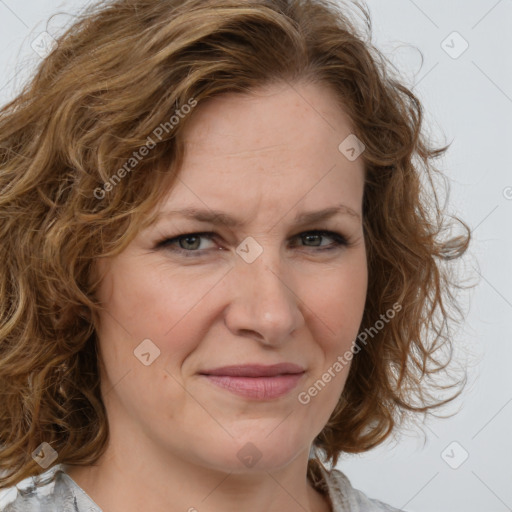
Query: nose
[{"x": 263, "y": 304}]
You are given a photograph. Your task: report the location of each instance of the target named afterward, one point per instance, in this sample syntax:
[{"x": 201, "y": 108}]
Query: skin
[{"x": 261, "y": 157}]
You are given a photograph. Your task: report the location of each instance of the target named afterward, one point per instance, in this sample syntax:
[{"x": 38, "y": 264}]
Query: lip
[
  {"x": 258, "y": 388},
  {"x": 255, "y": 370},
  {"x": 256, "y": 382}
]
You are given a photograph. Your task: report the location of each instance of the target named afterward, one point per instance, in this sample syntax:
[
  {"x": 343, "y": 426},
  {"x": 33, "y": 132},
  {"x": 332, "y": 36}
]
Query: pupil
[
  {"x": 187, "y": 240},
  {"x": 309, "y": 237}
]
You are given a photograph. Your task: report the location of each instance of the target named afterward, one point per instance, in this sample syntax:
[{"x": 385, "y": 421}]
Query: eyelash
[{"x": 339, "y": 241}]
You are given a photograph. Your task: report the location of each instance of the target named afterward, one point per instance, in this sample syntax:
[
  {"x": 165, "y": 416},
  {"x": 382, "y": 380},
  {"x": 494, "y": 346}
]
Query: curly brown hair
[{"x": 125, "y": 67}]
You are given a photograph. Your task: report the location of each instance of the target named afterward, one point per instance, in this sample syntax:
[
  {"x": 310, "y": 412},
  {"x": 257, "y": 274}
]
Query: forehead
[
  {"x": 268, "y": 154},
  {"x": 269, "y": 119}
]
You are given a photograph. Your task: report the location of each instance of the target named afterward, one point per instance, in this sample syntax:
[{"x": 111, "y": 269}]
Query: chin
[{"x": 255, "y": 452}]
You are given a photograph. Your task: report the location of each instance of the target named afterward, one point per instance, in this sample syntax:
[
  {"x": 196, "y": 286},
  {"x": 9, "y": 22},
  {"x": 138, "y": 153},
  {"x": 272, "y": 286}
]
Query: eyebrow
[{"x": 217, "y": 217}]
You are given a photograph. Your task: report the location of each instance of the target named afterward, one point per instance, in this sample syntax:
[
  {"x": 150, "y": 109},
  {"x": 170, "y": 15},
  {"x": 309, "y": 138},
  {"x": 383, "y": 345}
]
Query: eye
[
  {"x": 313, "y": 236},
  {"x": 188, "y": 244}
]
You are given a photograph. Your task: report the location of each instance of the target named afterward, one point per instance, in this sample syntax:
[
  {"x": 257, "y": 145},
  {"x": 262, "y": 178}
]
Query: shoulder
[
  {"x": 345, "y": 498},
  {"x": 52, "y": 491}
]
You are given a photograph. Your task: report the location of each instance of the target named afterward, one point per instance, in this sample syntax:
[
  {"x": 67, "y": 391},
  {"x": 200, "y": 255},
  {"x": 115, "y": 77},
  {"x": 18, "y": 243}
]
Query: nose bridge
[{"x": 261, "y": 299}]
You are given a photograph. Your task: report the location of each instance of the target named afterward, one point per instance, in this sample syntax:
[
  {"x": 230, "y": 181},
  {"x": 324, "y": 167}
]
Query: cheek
[
  {"x": 337, "y": 300},
  {"x": 146, "y": 303},
  {"x": 335, "y": 312},
  {"x": 151, "y": 302}
]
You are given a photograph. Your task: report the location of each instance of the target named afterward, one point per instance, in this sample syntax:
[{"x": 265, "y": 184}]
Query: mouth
[{"x": 256, "y": 382}]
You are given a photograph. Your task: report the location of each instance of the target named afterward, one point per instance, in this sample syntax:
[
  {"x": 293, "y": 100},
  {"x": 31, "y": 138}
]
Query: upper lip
[{"x": 256, "y": 370}]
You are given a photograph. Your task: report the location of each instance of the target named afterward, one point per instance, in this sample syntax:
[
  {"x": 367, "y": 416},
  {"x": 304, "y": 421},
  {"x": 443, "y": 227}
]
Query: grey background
[{"x": 467, "y": 100}]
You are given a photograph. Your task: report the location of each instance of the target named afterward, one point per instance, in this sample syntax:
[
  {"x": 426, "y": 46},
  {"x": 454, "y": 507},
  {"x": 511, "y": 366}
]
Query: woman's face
[{"x": 260, "y": 291}]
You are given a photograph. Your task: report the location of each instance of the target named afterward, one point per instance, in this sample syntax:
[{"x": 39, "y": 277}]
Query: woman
[{"x": 222, "y": 262}]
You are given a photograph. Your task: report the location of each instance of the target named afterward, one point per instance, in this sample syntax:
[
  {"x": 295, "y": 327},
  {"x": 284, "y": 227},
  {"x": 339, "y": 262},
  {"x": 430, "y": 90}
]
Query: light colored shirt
[{"x": 63, "y": 494}]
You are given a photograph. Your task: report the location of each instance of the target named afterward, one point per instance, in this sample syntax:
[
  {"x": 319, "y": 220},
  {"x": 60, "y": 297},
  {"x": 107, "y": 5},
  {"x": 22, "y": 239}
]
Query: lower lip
[{"x": 259, "y": 388}]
